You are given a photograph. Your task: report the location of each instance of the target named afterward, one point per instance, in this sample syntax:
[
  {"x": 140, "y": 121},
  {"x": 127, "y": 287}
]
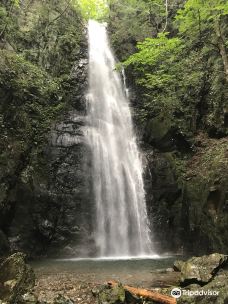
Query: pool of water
[{"x": 144, "y": 271}]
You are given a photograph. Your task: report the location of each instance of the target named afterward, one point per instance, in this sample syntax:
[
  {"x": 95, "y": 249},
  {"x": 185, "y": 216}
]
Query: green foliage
[
  {"x": 94, "y": 9},
  {"x": 156, "y": 64},
  {"x": 46, "y": 33},
  {"x": 41, "y": 41},
  {"x": 155, "y": 50},
  {"x": 204, "y": 22},
  {"x": 3, "y": 17},
  {"x": 132, "y": 21},
  {"x": 16, "y": 2},
  {"x": 29, "y": 97},
  {"x": 181, "y": 74},
  {"x": 7, "y": 22},
  {"x": 198, "y": 16}
]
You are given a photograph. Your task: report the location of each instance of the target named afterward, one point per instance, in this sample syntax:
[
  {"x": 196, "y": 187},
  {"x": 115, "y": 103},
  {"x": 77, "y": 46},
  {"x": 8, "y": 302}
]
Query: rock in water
[
  {"x": 200, "y": 270},
  {"x": 16, "y": 279}
]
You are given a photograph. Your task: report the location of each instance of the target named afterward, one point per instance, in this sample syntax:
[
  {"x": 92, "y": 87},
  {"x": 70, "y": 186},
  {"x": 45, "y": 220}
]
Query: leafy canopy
[
  {"x": 153, "y": 50},
  {"x": 155, "y": 66},
  {"x": 155, "y": 59},
  {"x": 94, "y": 9},
  {"x": 177, "y": 74},
  {"x": 199, "y": 15}
]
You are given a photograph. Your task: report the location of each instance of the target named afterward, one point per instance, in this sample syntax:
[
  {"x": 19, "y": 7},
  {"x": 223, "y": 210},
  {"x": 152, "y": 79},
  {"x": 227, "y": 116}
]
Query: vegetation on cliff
[
  {"x": 176, "y": 59},
  {"x": 40, "y": 43},
  {"x": 93, "y": 9}
]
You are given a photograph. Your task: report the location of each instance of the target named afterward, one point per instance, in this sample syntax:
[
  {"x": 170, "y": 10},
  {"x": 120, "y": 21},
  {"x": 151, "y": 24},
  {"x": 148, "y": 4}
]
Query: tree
[
  {"x": 6, "y": 11},
  {"x": 94, "y": 9},
  {"x": 131, "y": 21},
  {"x": 200, "y": 17},
  {"x": 158, "y": 71},
  {"x": 183, "y": 74}
]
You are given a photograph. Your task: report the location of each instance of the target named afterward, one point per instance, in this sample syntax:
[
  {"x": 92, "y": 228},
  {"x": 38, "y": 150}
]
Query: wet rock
[
  {"x": 200, "y": 270},
  {"x": 165, "y": 136},
  {"x": 111, "y": 295},
  {"x": 95, "y": 291},
  {"x": 16, "y": 279},
  {"x": 169, "y": 270},
  {"x": 163, "y": 200},
  {"x": 29, "y": 298},
  {"x": 132, "y": 299},
  {"x": 177, "y": 265},
  {"x": 54, "y": 180},
  {"x": 60, "y": 299},
  {"x": 4, "y": 244},
  {"x": 214, "y": 292},
  {"x": 59, "y": 220}
]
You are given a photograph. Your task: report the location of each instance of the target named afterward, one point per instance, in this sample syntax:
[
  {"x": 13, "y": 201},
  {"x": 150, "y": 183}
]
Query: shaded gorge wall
[
  {"x": 45, "y": 193},
  {"x": 53, "y": 213}
]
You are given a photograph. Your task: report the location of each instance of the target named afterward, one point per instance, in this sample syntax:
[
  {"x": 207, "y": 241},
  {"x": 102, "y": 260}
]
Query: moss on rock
[
  {"x": 16, "y": 278},
  {"x": 40, "y": 45},
  {"x": 114, "y": 295}
]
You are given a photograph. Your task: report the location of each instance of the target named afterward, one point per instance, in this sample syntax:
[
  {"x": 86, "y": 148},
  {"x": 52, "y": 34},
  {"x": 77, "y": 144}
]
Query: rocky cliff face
[
  {"x": 186, "y": 184},
  {"x": 45, "y": 193},
  {"x": 182, "y": 121},
  {"x": 53, "y": 210}
]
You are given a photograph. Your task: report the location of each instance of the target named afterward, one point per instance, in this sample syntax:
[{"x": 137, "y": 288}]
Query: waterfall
[{"x": 121, "y": 222}]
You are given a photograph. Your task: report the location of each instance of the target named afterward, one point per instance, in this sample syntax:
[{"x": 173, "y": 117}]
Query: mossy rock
[
  {"x": 16, "y": 278},
  {"x": 114, "y": 295},
  {"x": 165, "y": 135},
  {"x": 200, "y": 270}
]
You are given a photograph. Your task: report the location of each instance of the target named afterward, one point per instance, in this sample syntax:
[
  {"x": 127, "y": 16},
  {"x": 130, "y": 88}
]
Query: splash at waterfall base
[{"x": 121, "y": 225}]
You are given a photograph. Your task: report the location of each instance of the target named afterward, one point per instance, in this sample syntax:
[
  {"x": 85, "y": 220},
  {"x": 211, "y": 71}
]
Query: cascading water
[{"x": 121, "y": 227}]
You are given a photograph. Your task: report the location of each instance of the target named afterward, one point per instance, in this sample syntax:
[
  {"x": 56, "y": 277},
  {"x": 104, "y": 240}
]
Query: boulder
[
  {"x": 16, "y": 279},
  {"x": 200, "y": 270},
  {"x": 177, "y": 265},
  {"x": 111, "y": 295},
  {"x": 215, "y": 292}
]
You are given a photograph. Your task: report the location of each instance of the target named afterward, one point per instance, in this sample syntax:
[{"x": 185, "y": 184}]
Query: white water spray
[{"x": 121, "y": 227}]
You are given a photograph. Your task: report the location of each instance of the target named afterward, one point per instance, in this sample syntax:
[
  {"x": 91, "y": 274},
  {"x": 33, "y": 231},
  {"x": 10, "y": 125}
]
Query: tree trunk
[
  {"x": 166, "y": 16},
  {"x": 147, "y": 294},
  {"x": 222, "y": 48}
]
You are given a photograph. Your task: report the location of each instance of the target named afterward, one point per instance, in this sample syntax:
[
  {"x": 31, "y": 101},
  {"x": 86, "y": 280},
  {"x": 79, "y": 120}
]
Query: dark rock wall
[
  {"x": 186, "y": 179},
  {"x": 45, "y": 200},
  {"x": 186, "y": 191},
  {"x": 54, "y": 211},
  {"x": 185, "y": 143}
]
